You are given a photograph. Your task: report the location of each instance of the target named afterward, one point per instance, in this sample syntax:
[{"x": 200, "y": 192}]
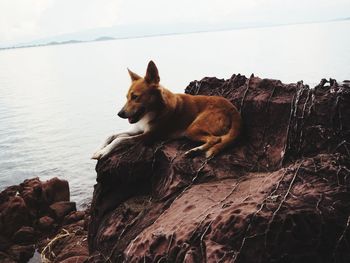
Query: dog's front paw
[
  {"x": 98, "y": 155},
  {"x": 111, "y": 139},
  {"x": 193, "y": 152}
]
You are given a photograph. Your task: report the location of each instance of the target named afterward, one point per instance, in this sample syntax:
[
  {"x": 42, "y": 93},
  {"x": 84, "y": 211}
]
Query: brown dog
[{"x": 161, "y": 114}]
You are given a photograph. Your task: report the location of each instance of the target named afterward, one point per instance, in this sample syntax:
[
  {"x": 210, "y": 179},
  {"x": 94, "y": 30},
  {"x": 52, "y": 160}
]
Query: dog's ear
[
  {"x": 152, "y": 75},
  {"x": 133, "y": 75}
]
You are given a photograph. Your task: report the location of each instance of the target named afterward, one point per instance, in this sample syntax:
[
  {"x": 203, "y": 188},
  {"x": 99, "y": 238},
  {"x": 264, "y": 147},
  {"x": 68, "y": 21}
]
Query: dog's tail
[{"x": 228, "y": 138}]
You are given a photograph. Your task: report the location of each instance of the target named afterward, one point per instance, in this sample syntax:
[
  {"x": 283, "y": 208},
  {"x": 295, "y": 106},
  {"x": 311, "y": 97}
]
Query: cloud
[
  {"x": 153, "y": 11},
  {"x": 29, "y": 19},
  {"x": 72, "y": 15},
  {"x": 19, "y": 19}
]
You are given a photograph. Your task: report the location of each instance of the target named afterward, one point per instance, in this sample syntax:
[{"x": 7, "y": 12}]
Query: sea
[{"x": 59, "y": 103}]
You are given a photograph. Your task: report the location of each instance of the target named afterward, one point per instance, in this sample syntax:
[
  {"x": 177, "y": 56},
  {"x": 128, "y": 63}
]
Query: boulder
[
  {"x": 73, "y": 217},
  {"x": 21, "y": 253},
  {"x": 62, "y": 208},
  {"x": 56, "y": 190},
  {"x": 69, "y": 245},
  {"x": 14, "y": 215},
  {"x": 31, "y": 192},
  {"x": 25, "y": 235},
  {"x": 279, "y": 194},
  {"x": 5, "y": 258},
  {"x": 46, "y": 223},
  {"x": 75, "y": 259}
]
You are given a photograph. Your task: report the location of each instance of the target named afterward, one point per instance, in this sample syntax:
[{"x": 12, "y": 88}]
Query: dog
[{"x": 159, "y": 114}]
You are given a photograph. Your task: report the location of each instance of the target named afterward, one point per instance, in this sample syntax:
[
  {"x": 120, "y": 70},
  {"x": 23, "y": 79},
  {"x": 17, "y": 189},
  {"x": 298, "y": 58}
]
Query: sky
[{"x": 22, "y": 20}]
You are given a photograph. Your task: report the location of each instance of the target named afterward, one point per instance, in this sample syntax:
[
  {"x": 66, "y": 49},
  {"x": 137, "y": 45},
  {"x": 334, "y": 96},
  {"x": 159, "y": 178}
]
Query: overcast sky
[{"x": 30, "y": 19}]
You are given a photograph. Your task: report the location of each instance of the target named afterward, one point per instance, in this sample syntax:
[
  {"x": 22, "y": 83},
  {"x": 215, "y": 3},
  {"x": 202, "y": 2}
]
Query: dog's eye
[{"x": 133, "y": 96}]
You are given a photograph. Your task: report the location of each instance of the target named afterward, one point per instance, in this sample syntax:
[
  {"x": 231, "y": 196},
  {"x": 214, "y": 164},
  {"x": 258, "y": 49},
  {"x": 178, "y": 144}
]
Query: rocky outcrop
[
  {"x": 33, "y": 216},
  {"x": 280, "y": 194}
]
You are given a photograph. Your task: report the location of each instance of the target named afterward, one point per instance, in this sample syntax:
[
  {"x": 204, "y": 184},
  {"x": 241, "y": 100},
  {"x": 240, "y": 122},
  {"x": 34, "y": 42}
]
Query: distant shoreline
[{"x": 109, "y": 38}]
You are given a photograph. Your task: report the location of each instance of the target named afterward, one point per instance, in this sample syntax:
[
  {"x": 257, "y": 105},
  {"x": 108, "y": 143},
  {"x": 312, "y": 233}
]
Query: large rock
[
  {"x": 21, "y": 253},
  {"x": 280, "y": 194},
  {"x": 25, "y": 235},
  {"x": 46, "y": 223},
  {"x": 68, "y": 245},
  {"x": 61, "y": 209},
  {"x": 56, "y": 190},
  {"x": 14, "y": 214}
]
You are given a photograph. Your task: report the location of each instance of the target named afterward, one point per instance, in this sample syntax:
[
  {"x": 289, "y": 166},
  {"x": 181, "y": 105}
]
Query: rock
[
  {"x": 5, "y": 243},
  {"x": 46, "y": 223},
  {"x": 280, "y": 194},
  {"x": 68, "y": 245},
  {"x": 31, "y": 192},
  {"x": 25, "y": 235},
  {"x": 56, "y": 190},
  {"x": 61, "y": 209},
  {"x": 4, "y": 258},
  {"x": 14, "y": 214},
  {"x": 74, "y": 216},
  {"x": 22, "y": 253},
  {"x": 76, "y": 259},
  {"x": 24, "y": 216}
]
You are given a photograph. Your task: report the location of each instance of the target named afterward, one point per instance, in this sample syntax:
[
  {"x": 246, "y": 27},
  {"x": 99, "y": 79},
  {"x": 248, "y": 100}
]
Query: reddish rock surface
[
  {"x": 280, "y": 194},
  {"x": 24, "y": 235},
  {"x": 32, "y": 215},
  {"x": 45, "y": 223},
  {"x": 60, "y": 209},
  {"x": 68, "y": 245}
]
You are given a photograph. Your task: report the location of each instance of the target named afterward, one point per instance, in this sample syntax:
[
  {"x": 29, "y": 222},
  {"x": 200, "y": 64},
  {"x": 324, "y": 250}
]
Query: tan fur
[{"x": 211, "y": 120}]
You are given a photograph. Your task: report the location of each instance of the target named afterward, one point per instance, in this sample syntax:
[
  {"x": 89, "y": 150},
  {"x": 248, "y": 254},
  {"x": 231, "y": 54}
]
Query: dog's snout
[{"x": 122, "y": 114}]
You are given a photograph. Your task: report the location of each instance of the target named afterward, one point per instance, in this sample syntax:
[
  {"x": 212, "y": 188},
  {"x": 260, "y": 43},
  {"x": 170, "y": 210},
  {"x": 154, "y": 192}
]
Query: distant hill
[
  {"x": 135, "y": 31},
  {"x": 52, "y": 43},
  {"x": 104, "y": 38}
]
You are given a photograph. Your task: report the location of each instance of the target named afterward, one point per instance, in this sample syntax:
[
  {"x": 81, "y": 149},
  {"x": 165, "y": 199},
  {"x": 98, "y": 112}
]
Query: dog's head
[{"x": 143, "y": 96}]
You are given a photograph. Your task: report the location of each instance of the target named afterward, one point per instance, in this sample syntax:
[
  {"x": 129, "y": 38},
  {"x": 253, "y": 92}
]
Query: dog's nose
[{"x": 122, "y": 114}]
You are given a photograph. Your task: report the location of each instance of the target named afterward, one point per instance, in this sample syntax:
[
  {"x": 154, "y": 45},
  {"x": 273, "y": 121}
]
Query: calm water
[{"x": 58, "y": 103}]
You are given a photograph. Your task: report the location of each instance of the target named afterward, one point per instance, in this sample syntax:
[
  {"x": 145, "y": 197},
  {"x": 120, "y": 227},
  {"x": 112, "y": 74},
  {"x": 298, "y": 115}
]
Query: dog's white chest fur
[{"x": 144, "y": 123}]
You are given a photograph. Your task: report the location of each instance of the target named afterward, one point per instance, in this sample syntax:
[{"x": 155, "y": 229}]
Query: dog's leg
[
  {"x": 112, "y": 146},
  {"x": 216, "y": 129},
  {"x": 202, "y": 148},
  {"x": 196, "y": 133},
  {"x": 117, "y": 142},
  {"x": 118, "y": 135},
  {"x": 226, "y": 140},
  {"x": 113, "y": 137},
  {"x": 210, "y": 141}
]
